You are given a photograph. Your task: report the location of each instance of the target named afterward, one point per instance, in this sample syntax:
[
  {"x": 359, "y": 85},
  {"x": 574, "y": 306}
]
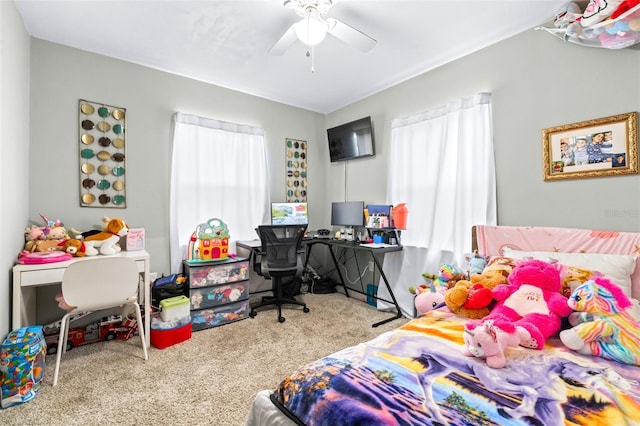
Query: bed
[{"x": 418, "y": 375}]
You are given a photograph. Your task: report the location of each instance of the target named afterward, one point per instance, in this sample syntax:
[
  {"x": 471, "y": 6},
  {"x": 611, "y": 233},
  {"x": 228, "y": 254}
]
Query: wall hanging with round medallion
[
  {"x": 102, "y": 150},
  {"x": 296, "y": 176}
]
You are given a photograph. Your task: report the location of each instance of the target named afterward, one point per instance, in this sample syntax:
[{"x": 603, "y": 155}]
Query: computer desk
[{"x": 335, "y": 245}]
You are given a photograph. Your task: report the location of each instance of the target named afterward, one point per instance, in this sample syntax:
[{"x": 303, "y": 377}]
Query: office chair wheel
[
  {"x": 305, "y": 310},
  {"x": 281, "y": 319},
  {"x": 253, "y": 313}
]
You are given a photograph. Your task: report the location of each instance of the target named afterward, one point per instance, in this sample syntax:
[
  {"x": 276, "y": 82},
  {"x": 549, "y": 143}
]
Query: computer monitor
[
  {"x": 289, "y": 214},
  {"x": 349, "y": 213}
]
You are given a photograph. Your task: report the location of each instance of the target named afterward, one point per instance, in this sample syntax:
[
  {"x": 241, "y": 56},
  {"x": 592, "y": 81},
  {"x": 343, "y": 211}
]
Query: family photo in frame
[{"x": 600, "y": 147}]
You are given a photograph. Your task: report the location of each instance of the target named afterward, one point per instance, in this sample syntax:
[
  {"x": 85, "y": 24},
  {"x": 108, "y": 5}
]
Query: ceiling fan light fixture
[{"x": 311, "y": 30}]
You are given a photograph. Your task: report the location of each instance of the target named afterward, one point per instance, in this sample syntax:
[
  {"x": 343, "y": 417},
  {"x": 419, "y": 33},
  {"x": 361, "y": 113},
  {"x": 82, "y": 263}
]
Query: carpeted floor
[{"x": 210, "y": 379}]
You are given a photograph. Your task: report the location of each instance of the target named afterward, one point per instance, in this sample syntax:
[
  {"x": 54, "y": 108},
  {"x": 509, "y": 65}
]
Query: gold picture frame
[{"x": 605, "y": 146}]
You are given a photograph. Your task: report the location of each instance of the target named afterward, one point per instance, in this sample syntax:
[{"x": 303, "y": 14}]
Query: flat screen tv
[
  {"x": 289, "y": 214},
  {"x": 349, "y": 213},
  {"x": 351, "y": 140}
]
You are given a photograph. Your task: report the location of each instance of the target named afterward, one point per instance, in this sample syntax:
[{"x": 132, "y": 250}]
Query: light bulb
[{"x": 311, "y": 30}]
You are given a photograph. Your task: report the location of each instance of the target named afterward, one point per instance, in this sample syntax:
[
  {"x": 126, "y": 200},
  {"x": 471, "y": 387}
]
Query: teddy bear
[
  {"x": 106, "y": 241},
  {"x": 602, "y": 324},
  {"x": 490, "y": 342},
  {"x": 472, "y": 298},
  {"x": 531, "y": 301},
  {"x": 73, "y": 246}
]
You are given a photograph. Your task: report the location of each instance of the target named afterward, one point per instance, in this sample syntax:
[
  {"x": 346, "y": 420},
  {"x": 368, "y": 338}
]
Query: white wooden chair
[{"x": 95, "y": 284}]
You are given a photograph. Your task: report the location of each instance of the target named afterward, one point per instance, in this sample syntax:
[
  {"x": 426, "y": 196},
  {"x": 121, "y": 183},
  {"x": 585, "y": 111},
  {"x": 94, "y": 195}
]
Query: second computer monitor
[
  {"x": 349, "y": 213},
  {"x": 289, "y": 214}
]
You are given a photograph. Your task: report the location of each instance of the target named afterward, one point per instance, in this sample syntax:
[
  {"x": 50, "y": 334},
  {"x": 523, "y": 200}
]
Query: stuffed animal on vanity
[
  {"x": 531, "y": 301},
  {"x": 490, "y": 342},
  {"x": 73, "y": 246},
  {"x": 33, "y": 234},
  {"x": 106, "y": 242},
  {"x": 602, "y": 324}
]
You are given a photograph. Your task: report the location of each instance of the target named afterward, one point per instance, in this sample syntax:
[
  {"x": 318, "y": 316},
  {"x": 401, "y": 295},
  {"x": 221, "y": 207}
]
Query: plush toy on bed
[
  {"x": 472, "y": 298},
  {"x": 446, "y": 277},
  {"x": 490, "y": 342},
  {"x": 427, "y": 298},
  {"x": 531, "y": 301},
  {"x": 602, "y": 325}
]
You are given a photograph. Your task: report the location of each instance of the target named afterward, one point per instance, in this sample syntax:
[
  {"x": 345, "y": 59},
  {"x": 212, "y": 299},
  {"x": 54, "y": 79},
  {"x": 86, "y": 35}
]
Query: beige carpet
[{"x": 210, "y": 379}]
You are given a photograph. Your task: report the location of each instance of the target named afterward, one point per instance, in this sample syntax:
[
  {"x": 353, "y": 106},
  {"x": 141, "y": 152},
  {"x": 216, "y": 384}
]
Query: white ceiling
[{"x": 226, "y": 43}]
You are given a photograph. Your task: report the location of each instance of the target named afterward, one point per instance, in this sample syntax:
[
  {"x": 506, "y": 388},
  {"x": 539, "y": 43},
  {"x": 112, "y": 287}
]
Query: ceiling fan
[{"x": 313, "y": 27}]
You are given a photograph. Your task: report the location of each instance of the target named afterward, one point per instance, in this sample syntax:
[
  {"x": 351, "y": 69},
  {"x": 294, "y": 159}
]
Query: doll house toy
[
  {"x": 22, "y": 365},
  {"x": 210, "y": 241}
]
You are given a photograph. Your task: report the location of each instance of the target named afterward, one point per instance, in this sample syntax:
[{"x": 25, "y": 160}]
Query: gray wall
[
  {"x": 60, "y": 76},
  {"x": 14, "y": 148},
  {"x": 537, "y": 81}
]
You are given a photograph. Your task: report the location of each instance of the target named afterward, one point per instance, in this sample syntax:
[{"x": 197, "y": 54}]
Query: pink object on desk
[{"x": 37, "y": 258}]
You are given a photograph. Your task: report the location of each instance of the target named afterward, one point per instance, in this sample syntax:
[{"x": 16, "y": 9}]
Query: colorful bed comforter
[{"x": 417, "y": 375}]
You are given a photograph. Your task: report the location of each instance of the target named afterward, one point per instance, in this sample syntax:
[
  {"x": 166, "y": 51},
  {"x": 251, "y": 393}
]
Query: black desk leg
[
  {"x": 335, "y": 262},
  {"x": 393, "y": 297}
]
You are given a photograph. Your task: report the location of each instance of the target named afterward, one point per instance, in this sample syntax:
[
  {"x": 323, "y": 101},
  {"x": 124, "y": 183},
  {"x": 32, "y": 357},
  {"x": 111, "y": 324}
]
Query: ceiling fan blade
[
  {"x": 285, "y": 42},
  {"x": 350, "y": 35}
]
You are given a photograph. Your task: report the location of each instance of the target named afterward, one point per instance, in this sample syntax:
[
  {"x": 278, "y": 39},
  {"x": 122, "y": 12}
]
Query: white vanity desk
[{"x": 27, "y": 277}]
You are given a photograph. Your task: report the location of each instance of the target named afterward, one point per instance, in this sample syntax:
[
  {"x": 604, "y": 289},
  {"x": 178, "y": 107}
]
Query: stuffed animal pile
[
  {"x": 602, "y": 323},
  {"x": 44, "y": 238},
  {"x": 53, "y": 237},
  {"x": 473, "y": 297},
  {"x": 531, "y": 301}
]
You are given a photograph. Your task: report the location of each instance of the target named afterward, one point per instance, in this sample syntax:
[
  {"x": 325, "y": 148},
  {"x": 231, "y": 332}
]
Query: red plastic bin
[{"x": 164, "y": 338}]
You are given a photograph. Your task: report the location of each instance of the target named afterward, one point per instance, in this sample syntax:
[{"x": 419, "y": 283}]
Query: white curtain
[
  {"x": 442, "y": 165},
  {"x": 218, "y": 170}
]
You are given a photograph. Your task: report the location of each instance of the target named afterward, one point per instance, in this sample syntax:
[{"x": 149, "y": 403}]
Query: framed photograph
[{"x": 602, "y": 147}]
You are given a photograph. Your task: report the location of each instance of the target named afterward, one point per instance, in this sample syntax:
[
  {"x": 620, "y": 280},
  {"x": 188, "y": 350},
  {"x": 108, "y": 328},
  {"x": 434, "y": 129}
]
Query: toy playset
[{"x": 210, "y": 241}]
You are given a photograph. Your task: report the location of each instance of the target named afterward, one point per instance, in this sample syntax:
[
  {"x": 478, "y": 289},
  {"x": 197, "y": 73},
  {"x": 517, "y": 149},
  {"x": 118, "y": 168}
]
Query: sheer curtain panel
[
  {"x": 442, "y": 165},
  {"x": 218, "y": 169}
]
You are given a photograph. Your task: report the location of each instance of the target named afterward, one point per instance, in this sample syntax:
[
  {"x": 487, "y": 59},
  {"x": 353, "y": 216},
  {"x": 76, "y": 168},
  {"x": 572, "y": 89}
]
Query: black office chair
[{"x": 279, "y": 258}]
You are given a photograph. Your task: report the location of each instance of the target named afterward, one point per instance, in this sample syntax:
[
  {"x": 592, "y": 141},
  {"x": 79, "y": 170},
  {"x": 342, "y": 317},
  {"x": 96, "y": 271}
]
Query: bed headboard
[{"x": 491, "y": 241}]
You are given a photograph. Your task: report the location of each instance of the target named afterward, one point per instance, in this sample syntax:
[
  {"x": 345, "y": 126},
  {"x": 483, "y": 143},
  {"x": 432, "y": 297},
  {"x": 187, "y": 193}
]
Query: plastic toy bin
[
  {"x": 174, "y": 307},
  {"x": 169, "y": 333}
]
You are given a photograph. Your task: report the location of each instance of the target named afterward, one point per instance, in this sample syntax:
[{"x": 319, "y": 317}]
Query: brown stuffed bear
[
  {"x": 73, "y": 247},
  {"x": 471, "y": 298}
]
